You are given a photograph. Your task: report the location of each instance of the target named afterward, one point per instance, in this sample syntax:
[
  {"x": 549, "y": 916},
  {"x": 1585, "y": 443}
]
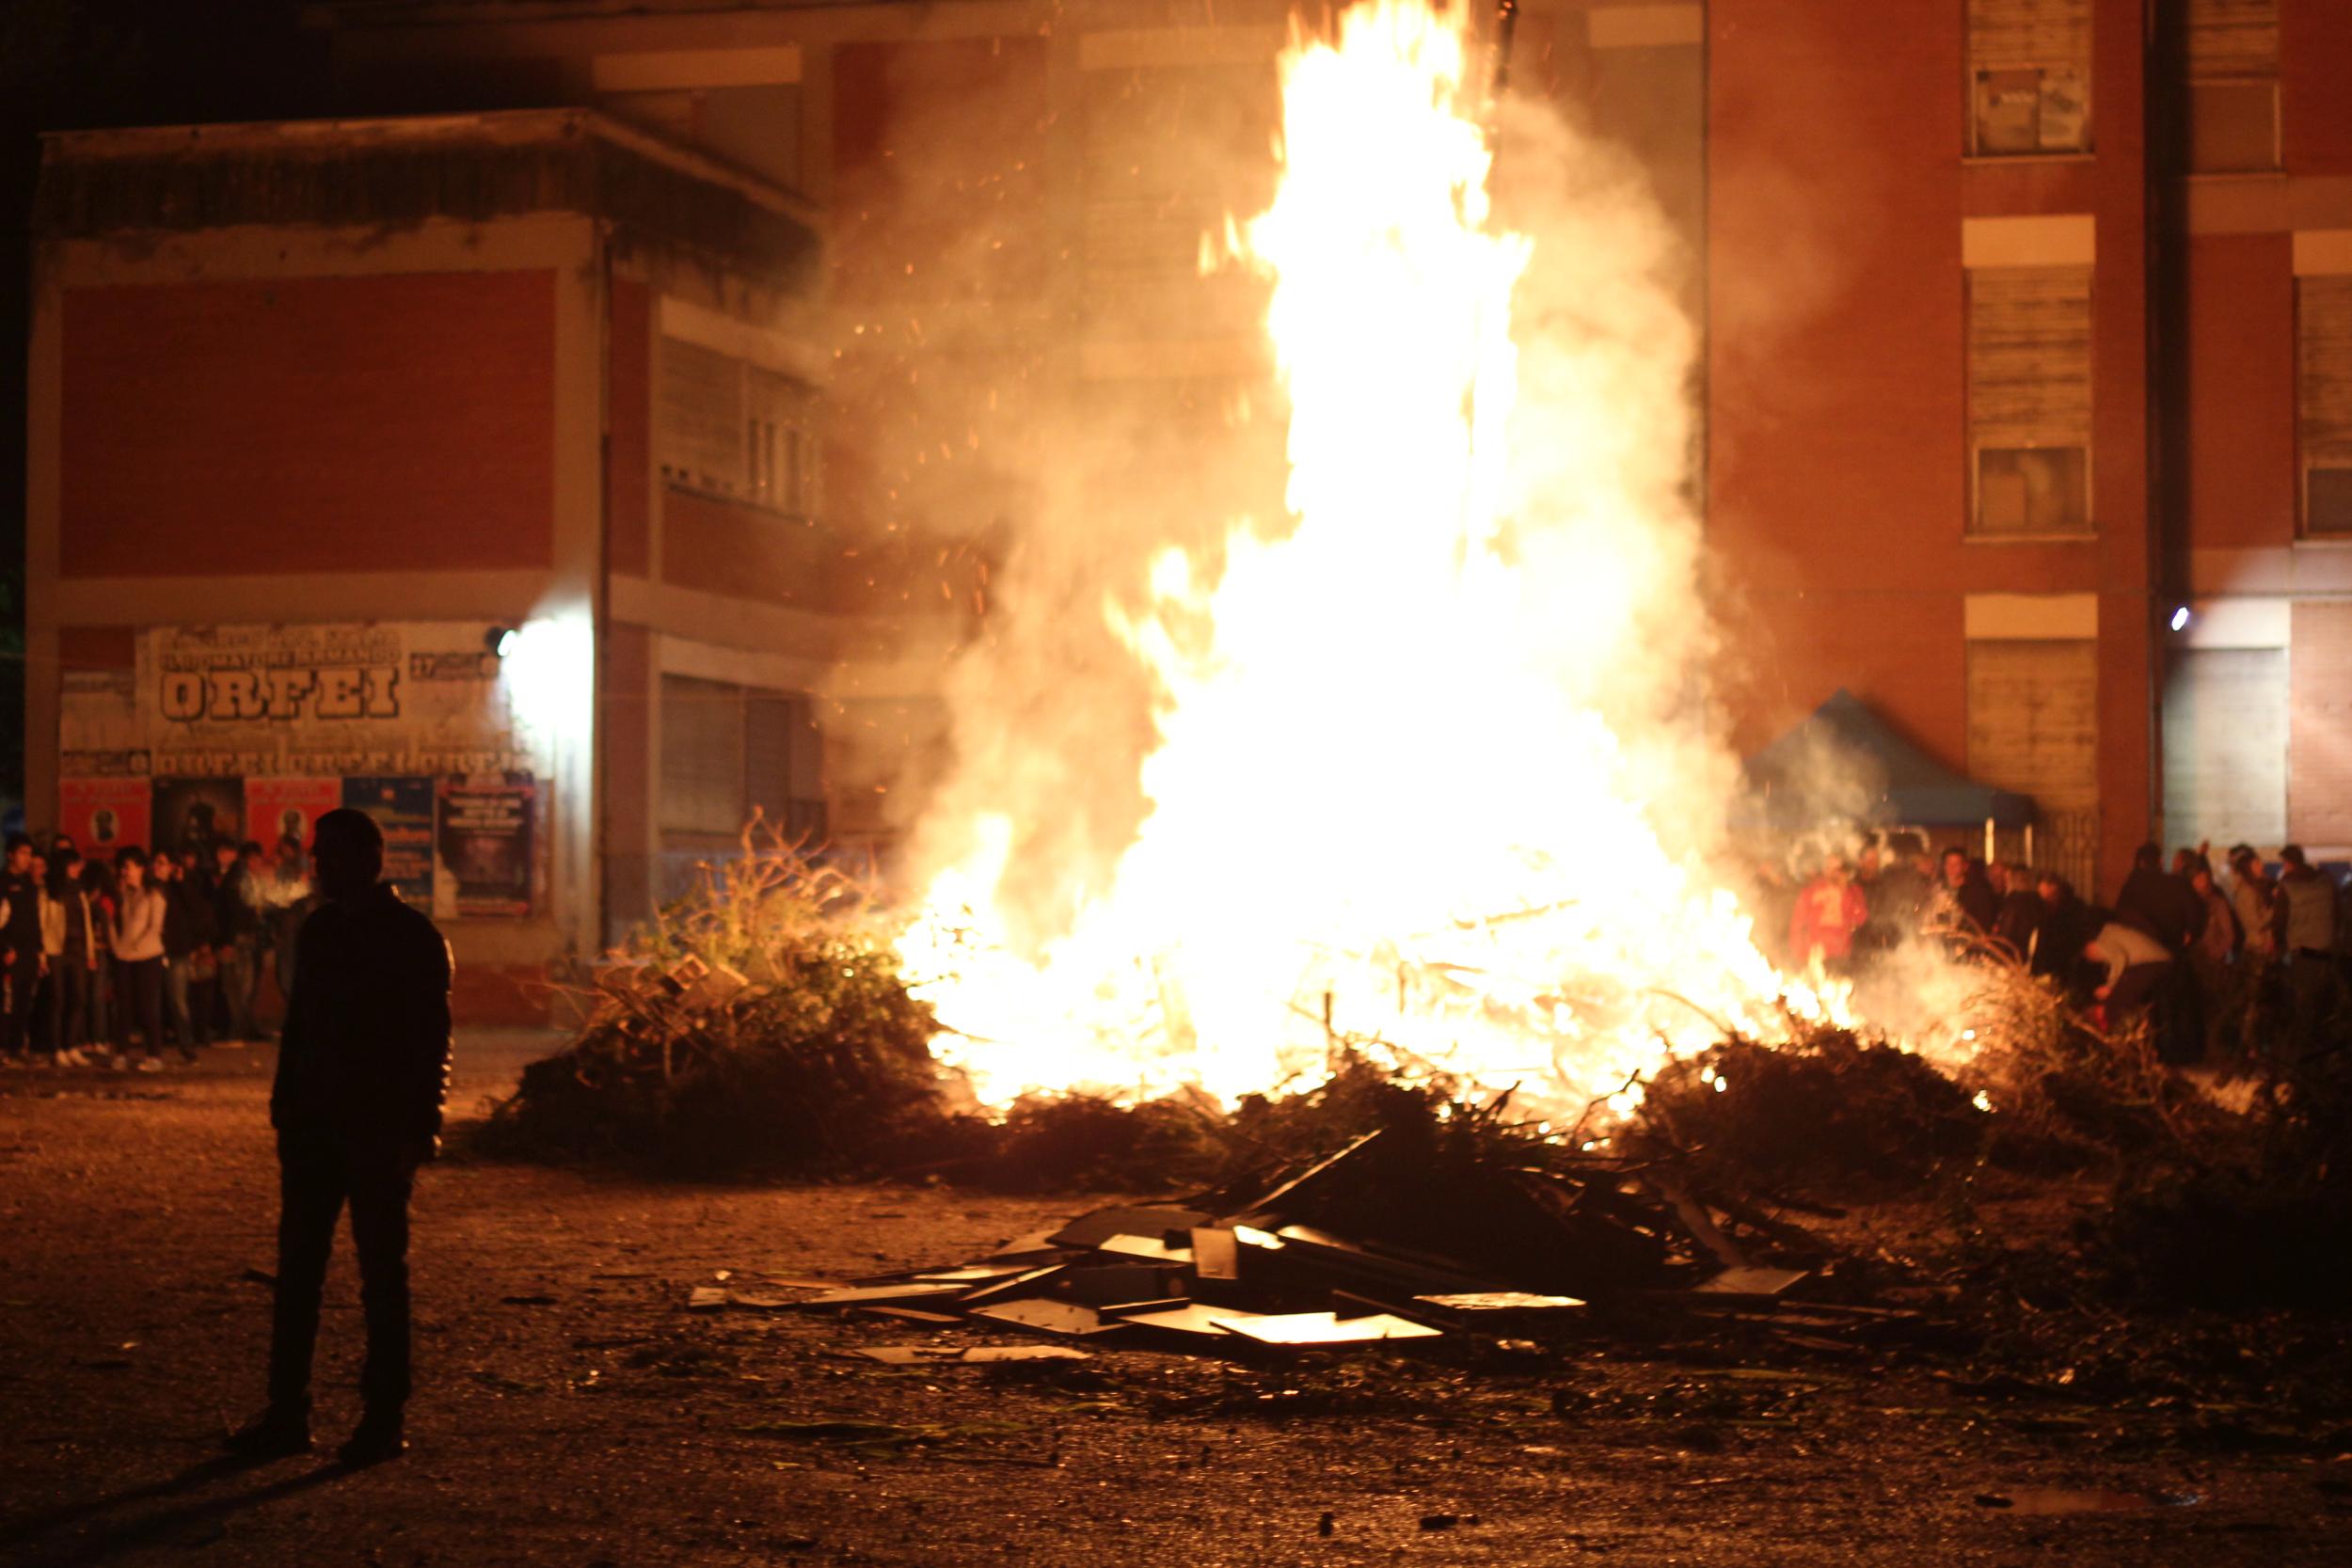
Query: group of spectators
[
  {"x": 2250, "y": 961},
  {"x": 107, "y": 961}
]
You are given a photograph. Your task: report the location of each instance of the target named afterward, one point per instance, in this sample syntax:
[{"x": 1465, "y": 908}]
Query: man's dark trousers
[
  {"x": 22, "y": 985},
  {"x": 318, "y": 1174}
]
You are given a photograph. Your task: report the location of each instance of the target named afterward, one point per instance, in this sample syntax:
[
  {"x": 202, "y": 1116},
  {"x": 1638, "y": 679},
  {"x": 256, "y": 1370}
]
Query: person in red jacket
[{"x": 1830, "y": 909}]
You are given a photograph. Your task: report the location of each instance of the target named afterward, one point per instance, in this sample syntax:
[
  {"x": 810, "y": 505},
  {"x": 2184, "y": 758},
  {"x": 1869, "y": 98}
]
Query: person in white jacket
[
  {"x": 2136, "y": 963},
  {"x": 138, "y": 935}
]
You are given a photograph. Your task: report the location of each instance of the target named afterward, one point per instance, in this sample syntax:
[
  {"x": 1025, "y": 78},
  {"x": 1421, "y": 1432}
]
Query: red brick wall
[
  {"x": 97, "y": 647},
  {"x": 2315, "y": 71},
  {"x": 724, "y": 546},
  {"x": 298, "y": 425},
  {"x": 2319, "y": 724},
  {"x": 628, "y": 433},
  {"x": 2241, "y": 346},
  {"x": 2127, "y": 562},
  {"x": 1837, "y": 404},
  {"x": 1837, "y": 479}
]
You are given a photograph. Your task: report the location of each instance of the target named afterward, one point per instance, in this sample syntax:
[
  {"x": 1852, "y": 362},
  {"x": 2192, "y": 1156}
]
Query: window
[
  {"x": 2323, "y": 402},
  {"x": 702, "y": 757},
  {"x": 726, "y": 749},
  {"x": 2028, "y": 77},
  {"x": 736, "y": 429},
  {"x": 2030, "y": 401},
  {"x": 2230, "y": 49}
]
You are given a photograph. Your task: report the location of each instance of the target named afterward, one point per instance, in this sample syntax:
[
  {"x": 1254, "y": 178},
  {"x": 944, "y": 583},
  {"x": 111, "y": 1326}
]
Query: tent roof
[{"x": 1915, "y": 789}]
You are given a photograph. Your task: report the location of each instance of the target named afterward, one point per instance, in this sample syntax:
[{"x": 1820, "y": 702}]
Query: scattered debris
[
  {"x": 1348, "y": 1250},
  {"x": 2055, "y": 1499},
  {"x": 968, "y": 1355}
]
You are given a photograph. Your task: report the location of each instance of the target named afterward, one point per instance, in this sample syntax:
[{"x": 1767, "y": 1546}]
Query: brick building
[
  {"x": 348, "y": 488},
  {"x": 2023, "y": 332},
  {"x": 2026, "y": 335}
]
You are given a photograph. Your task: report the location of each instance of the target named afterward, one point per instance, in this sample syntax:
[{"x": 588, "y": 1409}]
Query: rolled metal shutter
[
  {"x": 2231, "y": 38},
  {"x": 2033, "y": 720},
  {"x": 2012, "y": 34},
  {"x": 2225, "y": 747},
  {"x": 2323, "y": 368},
  {"x": 699, "y": 433},
  {"x": 2029, "y": 357}
]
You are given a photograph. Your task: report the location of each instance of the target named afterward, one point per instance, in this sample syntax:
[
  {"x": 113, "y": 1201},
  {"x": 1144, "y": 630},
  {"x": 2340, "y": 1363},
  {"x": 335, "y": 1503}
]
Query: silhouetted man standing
[{"x": 362, "y": 1069}]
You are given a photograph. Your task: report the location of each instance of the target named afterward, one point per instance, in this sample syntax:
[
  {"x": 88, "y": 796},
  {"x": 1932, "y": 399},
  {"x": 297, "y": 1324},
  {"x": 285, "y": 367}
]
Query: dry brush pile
[{"x": 758, "y": 1026}]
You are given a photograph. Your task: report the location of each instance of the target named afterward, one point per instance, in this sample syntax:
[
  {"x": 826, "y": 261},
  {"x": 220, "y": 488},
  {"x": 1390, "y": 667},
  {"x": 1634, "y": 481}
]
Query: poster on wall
[
  {"x": 199, "y": 814},
  {"x": 482, "y": 845},
  {"x": 320, "y": 701},
  {"x": 102, "y": 815},
  {"x": 280, "y": 809},
  {"x": 403, "y": 807}
]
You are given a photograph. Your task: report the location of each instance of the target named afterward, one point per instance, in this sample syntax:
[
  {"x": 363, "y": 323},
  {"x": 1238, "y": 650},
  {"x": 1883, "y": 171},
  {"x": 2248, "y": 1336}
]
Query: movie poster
[
  {"x": 403, "y": 807},
  {"x": 482, "y": 832},
  {"x": 101, "y": 815},
  {"x": 288, "y": 808},
  {"x": 199, "y": 814}
]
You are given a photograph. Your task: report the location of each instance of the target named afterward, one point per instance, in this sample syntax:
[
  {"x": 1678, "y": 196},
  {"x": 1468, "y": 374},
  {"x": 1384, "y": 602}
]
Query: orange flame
[{"x": 1385, "y": 801}]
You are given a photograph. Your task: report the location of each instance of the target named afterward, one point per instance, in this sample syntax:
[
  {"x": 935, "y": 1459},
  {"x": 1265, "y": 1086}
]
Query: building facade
[
  {"x": 2027, "y": 327},
  {"x": 2024, "y": 341},
  {"x": 350, "y": 487}
]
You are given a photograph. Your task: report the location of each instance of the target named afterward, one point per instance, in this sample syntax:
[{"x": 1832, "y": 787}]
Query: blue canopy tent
[{"x": 1892, "y": 782}]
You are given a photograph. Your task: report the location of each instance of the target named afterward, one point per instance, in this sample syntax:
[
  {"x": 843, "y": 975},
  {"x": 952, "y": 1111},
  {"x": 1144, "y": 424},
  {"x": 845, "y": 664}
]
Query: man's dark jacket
[
  {"x": 364, "y": 1055},
  {"x": 2165, "y": 906},
  {"x": 23, "y": 930},
  {"x": 233, "y": 912},
  {"x": 1978, "y": 902},
  {"x": 189, "y": 922},
  {"x": 2020, "y": 922},
  {"x": 2065, "y": 929}
]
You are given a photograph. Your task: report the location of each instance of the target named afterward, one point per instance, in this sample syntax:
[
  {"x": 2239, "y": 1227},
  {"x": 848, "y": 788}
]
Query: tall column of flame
[{"x": 1384, "y": 802}]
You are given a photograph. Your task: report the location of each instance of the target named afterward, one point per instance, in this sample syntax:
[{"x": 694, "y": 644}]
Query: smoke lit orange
[{"x": 1408, "y": 785}]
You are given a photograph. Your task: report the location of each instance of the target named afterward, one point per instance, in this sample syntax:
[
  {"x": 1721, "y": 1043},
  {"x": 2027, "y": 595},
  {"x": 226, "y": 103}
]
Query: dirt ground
[{"x": 572, "y": 1411}]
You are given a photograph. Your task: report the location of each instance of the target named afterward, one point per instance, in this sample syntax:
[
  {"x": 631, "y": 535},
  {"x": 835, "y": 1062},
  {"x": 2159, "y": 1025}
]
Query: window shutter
[
  {"x": 701, "y": 757},
  {"x": 2232, "y": 38},
  {"x": 2323, "y": 366},
  {"x": 2029, "y": 357},
  {"x": 2033, "y": 721},
  {"x": 2014, "y": 33},
  {"x": 702, "y": 418},
  {"x": 2323, "y": 401},
  {"x": 1170, "y": 151}
]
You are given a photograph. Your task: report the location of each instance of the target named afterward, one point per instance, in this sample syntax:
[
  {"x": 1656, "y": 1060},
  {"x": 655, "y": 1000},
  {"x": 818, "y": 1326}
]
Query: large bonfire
[{"x": 1428, "y": 775}]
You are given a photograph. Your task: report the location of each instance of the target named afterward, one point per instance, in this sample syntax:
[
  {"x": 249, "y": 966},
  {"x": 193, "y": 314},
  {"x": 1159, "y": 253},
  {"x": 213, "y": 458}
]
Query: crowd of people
[
  {"x": 114, "y": 961},
  {"x": 2250, "y": 961}
]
